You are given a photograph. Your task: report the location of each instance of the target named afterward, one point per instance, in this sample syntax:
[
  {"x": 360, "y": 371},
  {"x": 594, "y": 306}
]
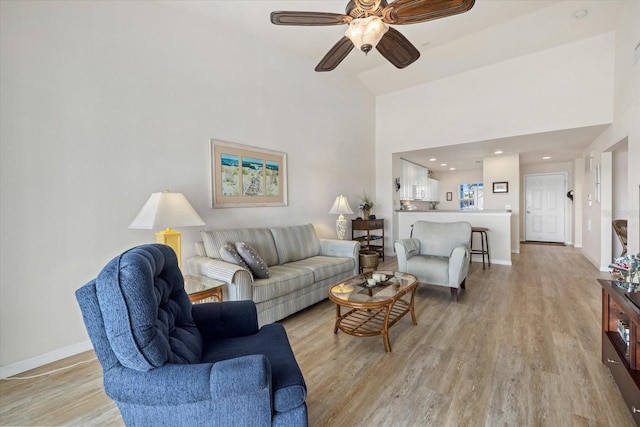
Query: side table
[{"x": 203, "y": 289}]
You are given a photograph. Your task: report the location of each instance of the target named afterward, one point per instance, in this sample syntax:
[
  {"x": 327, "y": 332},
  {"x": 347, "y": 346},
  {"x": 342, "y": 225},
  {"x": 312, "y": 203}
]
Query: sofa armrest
[
  {"x": 239, "y": 280},
  {"x": 340, "y": 248},
  {"x": 405, "y": 249},
  {"x": 228, "y": 319},
  {"x": 196, "y": 382},
  {"x": 458, "y": 265},
  {"x": 343, "y": 249}
]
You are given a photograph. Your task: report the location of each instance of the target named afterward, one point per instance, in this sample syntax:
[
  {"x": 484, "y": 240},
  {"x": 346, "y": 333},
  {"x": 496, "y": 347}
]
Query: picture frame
[
  {"x": 247, "y": 176},
  {"x": 449, "y": 196},
  {"x": 501, "y": 187}
]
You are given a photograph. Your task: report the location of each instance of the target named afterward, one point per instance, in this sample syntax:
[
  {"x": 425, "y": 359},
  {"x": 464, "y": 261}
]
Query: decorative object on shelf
[
  {"x": 626, "y": 269},
  {"x": 366, "y": 204},
  {"x": 244, "y": 176},
  {"x": 449, "y": 196},
  {"x": 434, "y": 205},
  {"x": 501, "y": 187},
  {"x": 340, "y": 207},
  {"x": 165, "y": 210}
]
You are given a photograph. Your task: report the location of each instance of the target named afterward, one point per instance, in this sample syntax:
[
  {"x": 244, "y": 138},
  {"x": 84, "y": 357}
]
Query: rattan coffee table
[{"x": 372, "y": 311}]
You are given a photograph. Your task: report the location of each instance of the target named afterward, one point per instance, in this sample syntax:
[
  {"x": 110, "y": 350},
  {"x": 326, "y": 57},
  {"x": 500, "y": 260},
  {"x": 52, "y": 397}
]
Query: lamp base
[
  {"x": 341, "y": 227},
  {"x": 173, "y": 239}
]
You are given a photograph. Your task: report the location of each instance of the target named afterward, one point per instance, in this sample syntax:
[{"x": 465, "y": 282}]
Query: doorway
[{"x": 545, "y": 211}]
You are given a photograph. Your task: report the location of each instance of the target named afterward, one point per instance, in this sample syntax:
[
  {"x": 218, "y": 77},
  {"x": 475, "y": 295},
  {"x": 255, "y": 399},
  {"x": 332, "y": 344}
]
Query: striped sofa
[{"x": 302, "y": 267}]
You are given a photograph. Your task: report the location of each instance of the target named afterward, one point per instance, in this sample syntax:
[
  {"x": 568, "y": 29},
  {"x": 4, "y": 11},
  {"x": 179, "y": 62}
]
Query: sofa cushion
[
  {"x": 144, "y": 332},
  {"x": 283, "y": 280},
  {"x": 260, "y": 238},
  {"x": 325, "y": 267},
  {"x": 295, "y": 243},
  {"x": 253, "y": 259},
  {"x": 229, "y": 253}
]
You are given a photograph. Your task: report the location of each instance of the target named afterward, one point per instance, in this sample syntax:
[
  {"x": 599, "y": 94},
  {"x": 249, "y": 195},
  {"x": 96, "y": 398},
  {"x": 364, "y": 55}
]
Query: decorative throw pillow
[
  {"x": 253, "y": 260},
  {"x": 229, "y": 253}
]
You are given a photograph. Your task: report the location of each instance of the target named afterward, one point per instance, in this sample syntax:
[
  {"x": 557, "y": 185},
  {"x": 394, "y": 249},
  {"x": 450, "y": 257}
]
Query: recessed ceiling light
[
  {"x": 433, "y": 159},
  {"x": 443, "y": 164},
  {"x": 546, "y": 157},
  {"x": 452, "y": 169},
  {"x": 580, "y": 13},
  {"x": 498, "y": 152}
]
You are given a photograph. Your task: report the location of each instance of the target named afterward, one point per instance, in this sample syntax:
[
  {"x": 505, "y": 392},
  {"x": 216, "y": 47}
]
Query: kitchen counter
[{"x": 497, "y": 221}]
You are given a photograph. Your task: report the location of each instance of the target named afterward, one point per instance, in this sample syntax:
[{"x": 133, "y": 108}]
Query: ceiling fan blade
[
  {"x": 411, "y": 11},
  {"x": 309, "y": 18},
  {"x": 334, "y": 57},
  {"x": 397, "y": 49}
]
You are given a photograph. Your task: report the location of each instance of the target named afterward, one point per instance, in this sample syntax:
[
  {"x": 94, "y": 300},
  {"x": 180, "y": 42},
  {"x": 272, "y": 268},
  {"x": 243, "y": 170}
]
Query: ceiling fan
[{"x": 369, "y": 21}]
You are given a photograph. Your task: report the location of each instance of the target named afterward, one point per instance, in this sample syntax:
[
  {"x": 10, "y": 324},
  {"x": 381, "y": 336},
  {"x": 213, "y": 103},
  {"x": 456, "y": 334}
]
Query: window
[{"x": 471, "y": 197}]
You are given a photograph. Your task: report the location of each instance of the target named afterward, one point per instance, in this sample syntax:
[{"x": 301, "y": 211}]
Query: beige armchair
[{"x": 438, "y": 254}]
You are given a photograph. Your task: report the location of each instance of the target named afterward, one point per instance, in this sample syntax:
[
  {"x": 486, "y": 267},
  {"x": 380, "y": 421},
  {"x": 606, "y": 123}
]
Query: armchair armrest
[
  {"x": 226, "y": 319},
  {"x": 192, "y": 383},
  {"x": 458, "y": 265},
  {"x": 239, "y": 279},
  {"x": 405, "y": 249}
]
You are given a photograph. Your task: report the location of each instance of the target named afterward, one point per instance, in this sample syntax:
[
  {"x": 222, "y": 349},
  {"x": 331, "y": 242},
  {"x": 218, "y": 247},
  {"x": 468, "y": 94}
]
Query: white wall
[
  {"x": 626, "y": 126},
  {"x": 504, "y": 168},
  {"x": 450, "y": 182},
  {"x": 103, "y": 103},
  {"x": 560, "y": 88}
]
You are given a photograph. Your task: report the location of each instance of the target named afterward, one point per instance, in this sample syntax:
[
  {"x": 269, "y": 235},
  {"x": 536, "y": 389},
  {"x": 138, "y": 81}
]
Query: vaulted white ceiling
[{"x": 492, "y": 31}]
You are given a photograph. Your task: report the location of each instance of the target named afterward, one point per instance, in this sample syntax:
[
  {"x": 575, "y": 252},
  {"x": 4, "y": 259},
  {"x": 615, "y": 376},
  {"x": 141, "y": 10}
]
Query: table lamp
[
  {"x": 165, "y": 210},
  {"x": 341, "y": 206}
]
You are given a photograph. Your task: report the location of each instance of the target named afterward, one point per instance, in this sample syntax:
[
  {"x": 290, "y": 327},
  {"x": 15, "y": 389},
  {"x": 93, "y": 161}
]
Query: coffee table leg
[
  {"x": 335, "y": 328},
  {"x": 413, "y": 312},
  {"x": 385, "y": 329}
]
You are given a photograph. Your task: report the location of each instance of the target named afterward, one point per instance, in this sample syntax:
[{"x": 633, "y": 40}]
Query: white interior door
[{"x": 545, "y": 207}]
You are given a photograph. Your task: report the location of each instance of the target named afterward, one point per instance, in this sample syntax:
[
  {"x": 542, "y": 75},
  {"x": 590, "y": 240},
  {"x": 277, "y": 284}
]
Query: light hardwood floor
[{"x": 520, "y": 348}]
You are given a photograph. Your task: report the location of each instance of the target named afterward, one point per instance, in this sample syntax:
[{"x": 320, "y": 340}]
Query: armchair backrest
[
  {"x": 439, "y": 238},
  {"x": 137, "y": 312}
]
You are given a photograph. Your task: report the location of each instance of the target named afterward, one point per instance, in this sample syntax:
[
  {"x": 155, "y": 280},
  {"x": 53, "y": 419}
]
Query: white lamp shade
[
  {"x": 164, "y": 210},
  {"x": 366, "y": 32},
  {"x": 341, "y": 206}
]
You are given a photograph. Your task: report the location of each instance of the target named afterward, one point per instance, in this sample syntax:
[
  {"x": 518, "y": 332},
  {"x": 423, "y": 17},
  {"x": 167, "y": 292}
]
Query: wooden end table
[
  {"x": 203, "y": 289},
  {"x": 372, "y": 311}
]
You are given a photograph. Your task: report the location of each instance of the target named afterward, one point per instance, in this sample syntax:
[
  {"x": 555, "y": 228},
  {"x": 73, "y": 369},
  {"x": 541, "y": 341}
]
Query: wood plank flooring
[{"x": 520, "y": 348}]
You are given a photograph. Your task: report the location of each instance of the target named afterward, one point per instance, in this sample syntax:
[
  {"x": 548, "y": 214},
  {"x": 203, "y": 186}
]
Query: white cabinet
[
  {"x": 432, "y": 193},
  {"x": 415, "y": 183}
]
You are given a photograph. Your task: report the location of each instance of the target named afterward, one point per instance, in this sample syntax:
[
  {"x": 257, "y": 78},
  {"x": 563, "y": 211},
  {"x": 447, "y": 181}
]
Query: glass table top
[{"x": 357, "y": 289}]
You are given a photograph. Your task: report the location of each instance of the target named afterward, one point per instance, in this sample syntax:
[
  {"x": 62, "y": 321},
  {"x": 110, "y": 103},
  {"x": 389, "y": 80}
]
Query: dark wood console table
[{"x": 621, "y": 341}]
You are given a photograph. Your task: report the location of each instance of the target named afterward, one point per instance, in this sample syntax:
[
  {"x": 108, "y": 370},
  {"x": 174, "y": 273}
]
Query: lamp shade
[
  {"x": 341, "y": 206},
  {"x": 164, "y": 210},
  {"x": 365, "y": 33}
]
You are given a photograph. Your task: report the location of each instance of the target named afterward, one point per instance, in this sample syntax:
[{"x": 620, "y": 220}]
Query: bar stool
[{"x": 484, "y": 241}]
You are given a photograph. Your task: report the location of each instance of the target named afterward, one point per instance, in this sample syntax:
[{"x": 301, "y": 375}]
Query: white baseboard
[{"x": 43, "y": 359}]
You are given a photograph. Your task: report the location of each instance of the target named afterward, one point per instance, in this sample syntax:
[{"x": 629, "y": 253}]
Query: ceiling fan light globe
[{"x": 365, "y": 33}]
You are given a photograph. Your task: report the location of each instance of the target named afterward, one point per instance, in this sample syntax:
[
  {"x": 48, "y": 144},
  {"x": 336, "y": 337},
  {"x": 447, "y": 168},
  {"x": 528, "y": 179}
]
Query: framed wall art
[
  {"x": 449, "y": 196},
  {"x": 501, "y": 187},
  {"x": 245, "y": 176}
]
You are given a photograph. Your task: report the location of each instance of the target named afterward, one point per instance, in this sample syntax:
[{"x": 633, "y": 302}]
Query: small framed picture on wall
[
  {"x": 501, "y": 187},
  {"x": 449, "y": 196}
]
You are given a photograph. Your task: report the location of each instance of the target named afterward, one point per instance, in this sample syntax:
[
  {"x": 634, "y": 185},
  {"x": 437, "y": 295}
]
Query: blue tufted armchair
[{"x": 168, "y": 362}]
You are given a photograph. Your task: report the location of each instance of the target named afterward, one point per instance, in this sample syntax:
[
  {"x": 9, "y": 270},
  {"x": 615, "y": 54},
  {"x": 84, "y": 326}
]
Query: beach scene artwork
[{"x": 247, "y": 176}]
